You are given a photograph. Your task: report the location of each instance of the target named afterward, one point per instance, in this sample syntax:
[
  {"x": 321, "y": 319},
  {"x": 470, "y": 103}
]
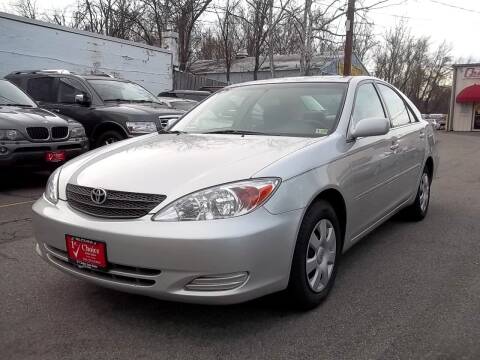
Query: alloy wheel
[
  {"x": 321, "y": 252},
  {"x": 424, "y": 192},
  {"x": 110, "y": 140}
]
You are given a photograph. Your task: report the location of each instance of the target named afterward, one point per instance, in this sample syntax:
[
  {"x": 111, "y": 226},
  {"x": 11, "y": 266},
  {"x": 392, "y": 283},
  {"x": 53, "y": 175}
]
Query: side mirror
[
  {"x": 82, "y": 99},
  {"x": 370, "y": 127},
  {"x": 166, "y": 121}
]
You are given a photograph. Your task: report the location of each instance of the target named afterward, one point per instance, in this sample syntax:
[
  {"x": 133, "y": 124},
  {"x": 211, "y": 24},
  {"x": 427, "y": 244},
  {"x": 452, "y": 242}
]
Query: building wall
[
  {"x": 33, "y": 45},
  {"x": 334, "y": 67},
  {"x": 461, "y": 115}
]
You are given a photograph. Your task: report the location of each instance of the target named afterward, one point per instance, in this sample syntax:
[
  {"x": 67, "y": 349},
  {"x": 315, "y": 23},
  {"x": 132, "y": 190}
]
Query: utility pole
[{"x": 347, "y": 61}]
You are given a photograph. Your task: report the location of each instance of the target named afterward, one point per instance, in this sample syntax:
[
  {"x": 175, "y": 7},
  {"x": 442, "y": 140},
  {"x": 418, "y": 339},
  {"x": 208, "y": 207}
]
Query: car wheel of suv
[
  {"x": 316, "y": 256},
  {"x": 108, "y": 137},
  {"x": 418, "y": 210}
]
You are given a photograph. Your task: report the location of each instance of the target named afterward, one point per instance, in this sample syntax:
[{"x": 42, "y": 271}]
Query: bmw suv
[
  {"x": 30, "y": 136},
  {"x": 110, "y": 109}
]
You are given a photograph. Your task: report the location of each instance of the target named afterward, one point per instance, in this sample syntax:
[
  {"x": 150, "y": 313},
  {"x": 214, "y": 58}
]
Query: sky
[{"x": 438, "y": 19}]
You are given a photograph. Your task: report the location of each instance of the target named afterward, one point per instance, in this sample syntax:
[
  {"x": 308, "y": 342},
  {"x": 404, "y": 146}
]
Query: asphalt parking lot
[{"x": 407, "y": 291}]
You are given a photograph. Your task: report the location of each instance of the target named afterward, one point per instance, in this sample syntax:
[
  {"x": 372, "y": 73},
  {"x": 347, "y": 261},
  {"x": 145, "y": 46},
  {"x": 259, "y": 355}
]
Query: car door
[
  {"x": 409, "y": 144},
  {"x": 370, "y": 162},
  {"x": 67, "y": 89}
]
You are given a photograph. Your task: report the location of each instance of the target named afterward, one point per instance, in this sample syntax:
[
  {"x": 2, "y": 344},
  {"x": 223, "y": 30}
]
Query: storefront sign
[{"x": 472, "y": 73}]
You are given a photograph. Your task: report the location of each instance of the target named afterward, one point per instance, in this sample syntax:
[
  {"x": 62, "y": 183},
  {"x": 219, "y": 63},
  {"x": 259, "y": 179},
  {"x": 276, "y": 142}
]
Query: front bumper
[
  {"x": 31, "y": 154},
  {"x": 160, "y": 259}
]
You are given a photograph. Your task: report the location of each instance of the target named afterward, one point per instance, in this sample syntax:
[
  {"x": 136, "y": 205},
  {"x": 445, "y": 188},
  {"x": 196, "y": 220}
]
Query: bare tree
[
  {"x": 26, "y": 8},
  {"x": 226, "y": 22},
  {"x": 187, "y": 13},
  {"x": 409, "y": 64}
]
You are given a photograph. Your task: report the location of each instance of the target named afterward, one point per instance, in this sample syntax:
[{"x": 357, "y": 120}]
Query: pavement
[{"x": 406, "y": 291}]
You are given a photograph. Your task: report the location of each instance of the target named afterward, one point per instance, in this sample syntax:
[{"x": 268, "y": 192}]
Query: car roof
[{"x": 306, "y": 79}]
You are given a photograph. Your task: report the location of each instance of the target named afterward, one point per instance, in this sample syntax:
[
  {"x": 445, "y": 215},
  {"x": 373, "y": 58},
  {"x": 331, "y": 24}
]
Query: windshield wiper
[
  {"x": 145, "y": 101},
  {"x": 236, "y": 132},
  {"x": 162, "y": 131},
  {"x": 20, "y": 105},
  {"x": 117, "y": 100}
]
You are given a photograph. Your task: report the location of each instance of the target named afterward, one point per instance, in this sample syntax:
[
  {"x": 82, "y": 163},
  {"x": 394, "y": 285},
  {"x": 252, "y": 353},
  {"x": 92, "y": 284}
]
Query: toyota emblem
[{"x": 98, "y": 196}]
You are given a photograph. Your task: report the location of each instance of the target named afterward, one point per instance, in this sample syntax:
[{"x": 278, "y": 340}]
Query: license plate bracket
[{"x": 86, "y": 253}]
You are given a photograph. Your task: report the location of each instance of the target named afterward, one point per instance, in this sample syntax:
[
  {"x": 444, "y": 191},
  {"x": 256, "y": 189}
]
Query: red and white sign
[
  {"x": 55, "y": 156},
  {"x": 86, "y": 253},
  {"x": 472, "y": 73}
]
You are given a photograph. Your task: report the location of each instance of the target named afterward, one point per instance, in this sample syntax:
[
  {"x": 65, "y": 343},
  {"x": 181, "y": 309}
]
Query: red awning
[{"x": 469, "y": 95}]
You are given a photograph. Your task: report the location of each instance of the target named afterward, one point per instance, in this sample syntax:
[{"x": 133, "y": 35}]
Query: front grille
[
  {"x": 118, "y": 204},
  {"x": 123, "y": 274},
  {"x": 59, "y": 132},
  {"x": 37, "y": 133}
]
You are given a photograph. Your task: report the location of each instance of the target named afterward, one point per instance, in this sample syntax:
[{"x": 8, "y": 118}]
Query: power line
[{"x": 455, "y": 6}]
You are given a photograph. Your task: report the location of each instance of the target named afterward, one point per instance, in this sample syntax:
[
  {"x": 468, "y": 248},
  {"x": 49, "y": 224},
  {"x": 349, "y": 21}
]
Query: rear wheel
[
  {"x": 316, "y": 256},
  {"x": 418, "y": 210},
  {"x": 108, "y": 137}
]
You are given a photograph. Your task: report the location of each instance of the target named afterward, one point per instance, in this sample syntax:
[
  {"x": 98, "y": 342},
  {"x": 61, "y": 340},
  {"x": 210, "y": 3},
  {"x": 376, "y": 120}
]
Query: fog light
[
  {"x": 218, "y": 282},
  {"x": 3, "y": 150}
]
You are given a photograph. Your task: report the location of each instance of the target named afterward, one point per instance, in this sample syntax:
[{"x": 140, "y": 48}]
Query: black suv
[
  {"x": 110, "y": 109},
  {"x": 30, "y": 136}
]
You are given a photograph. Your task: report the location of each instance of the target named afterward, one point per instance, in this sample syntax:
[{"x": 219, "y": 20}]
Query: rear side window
[
  {"x": 42, "y": 89},
  {"x": 413, "y": 117},
  {"x": 396, "y": 106},
  {"x": 67, "y": 89},
  {"x": 367, "y": 104}
]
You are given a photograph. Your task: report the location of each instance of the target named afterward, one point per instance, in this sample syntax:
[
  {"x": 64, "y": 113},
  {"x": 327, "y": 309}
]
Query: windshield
[
  {"x": 13, "y": 96},
  {"x": 295, "y": 109},
  {"x": 111, "y": 90}
]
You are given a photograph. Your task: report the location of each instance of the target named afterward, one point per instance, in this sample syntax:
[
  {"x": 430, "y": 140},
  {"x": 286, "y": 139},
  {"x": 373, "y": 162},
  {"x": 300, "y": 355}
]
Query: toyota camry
[{"x": 260, "y": 188}]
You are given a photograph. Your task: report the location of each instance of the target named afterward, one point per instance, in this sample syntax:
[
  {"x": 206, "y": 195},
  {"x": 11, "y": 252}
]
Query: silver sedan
[{"x": 258, "y": 189}]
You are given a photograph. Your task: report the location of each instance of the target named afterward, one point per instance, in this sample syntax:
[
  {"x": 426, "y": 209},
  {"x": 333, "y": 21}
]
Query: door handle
[
  {"x": 394, "y": 147},
  {"x": 55, "y": 110}
]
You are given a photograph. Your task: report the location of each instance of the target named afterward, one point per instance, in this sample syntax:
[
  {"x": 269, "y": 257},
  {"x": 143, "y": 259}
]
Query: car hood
[
  {"x": 139, "y": 110},
  {"x": 175, "y": 165},
  {"x": 18, "y": 117}
]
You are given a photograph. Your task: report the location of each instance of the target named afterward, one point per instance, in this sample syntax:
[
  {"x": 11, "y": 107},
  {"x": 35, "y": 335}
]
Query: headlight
[
  {"x": 11, "y": 135},
  {"x": 141, "y": 127},
  {"x": 220, "y": 202},
  {"x": 51, "y": 191},
  {"x": 77, "y": 132}
]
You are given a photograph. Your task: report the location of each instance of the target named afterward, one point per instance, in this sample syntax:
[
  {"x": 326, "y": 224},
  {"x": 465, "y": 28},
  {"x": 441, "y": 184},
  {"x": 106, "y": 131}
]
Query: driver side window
[
  {"x": 367, "y": 104},
  {"x": 67, "y": 89}
]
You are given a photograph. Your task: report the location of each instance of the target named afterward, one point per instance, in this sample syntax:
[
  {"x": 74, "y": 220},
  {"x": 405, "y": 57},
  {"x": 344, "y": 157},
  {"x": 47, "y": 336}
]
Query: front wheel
[
  {"x": 316, "y": 256},
  {"x": 108, "y": 137}
]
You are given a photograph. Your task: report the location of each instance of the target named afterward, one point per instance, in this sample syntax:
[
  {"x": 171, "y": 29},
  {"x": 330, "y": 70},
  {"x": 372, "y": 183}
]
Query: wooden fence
[{"x": 187, "y": 81}]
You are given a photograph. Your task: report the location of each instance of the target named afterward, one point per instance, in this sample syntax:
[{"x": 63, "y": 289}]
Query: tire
[
  {"x": 418, "y": 210},
  {"x": 322, "y": 262},
  {"x": 108, "y": 137}
]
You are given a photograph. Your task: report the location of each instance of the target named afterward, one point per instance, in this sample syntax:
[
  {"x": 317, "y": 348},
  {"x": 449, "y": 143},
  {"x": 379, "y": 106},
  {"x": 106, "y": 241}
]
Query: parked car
[
  {"x": 177, "y": 103},
  {"x": 211, "y": 88},
  {"x": 432, "y": 121},
  {"x": 186, "y": 94},
  {"x": 30, "y": 136},
  {"x": 440, "y": 119},
  {"x": 110, "y": 109},
  {"x": 258, "y": 189}
]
